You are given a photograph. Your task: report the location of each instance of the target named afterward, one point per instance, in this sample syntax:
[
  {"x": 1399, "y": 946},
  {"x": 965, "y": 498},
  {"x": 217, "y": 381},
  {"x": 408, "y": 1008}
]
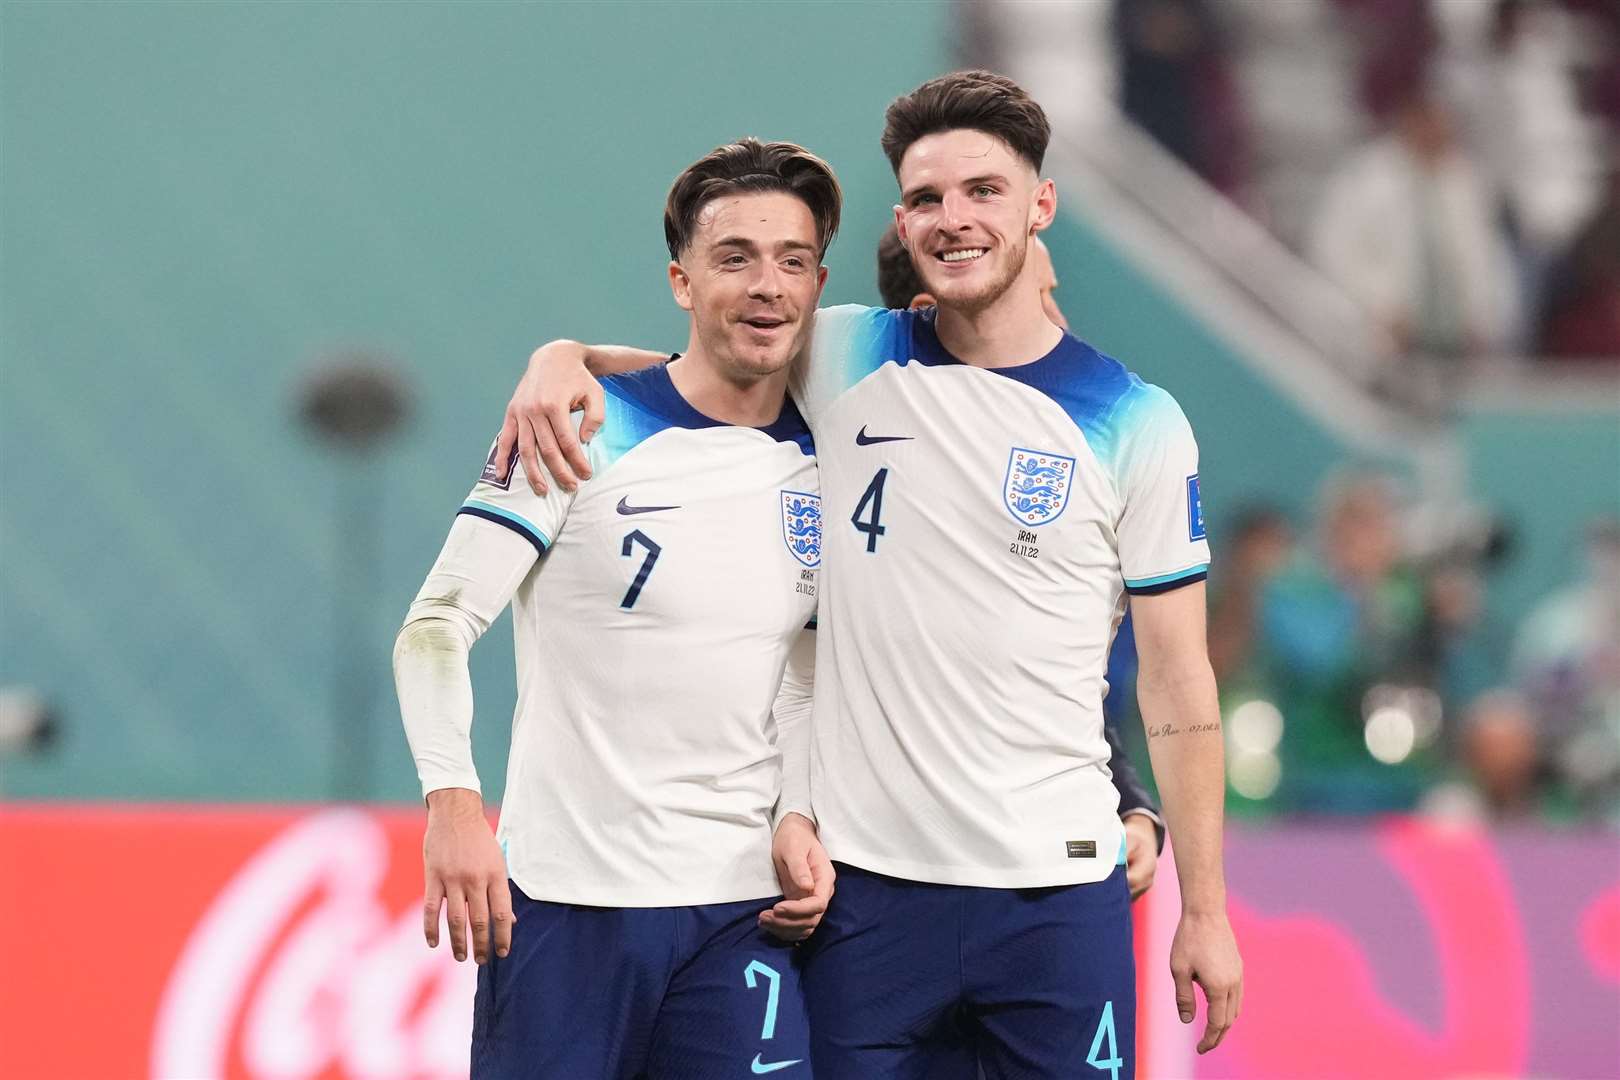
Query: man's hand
[
  {"x": 1205, "y": 952},
  {"x": 465, "y": 870},
  {"x": 538, "y": 418},
  {"x": 1141, "y": 853},
  {"x": 806, "y": 877}
]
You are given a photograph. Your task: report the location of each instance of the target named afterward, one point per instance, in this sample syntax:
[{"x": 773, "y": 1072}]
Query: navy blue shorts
[
  {"x": 617, "y": 993},
  {"x": 906, "y": 979}
]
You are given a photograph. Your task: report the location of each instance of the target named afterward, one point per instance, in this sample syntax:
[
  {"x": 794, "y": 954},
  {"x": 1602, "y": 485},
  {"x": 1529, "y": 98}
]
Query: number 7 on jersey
[{"x": 631, "y": 539}]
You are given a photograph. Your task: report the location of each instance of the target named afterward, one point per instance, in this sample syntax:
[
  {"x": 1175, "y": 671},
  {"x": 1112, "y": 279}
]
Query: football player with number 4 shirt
[
  {"x": 995, "y": 492},
  {"x": 664, "y": 656}
]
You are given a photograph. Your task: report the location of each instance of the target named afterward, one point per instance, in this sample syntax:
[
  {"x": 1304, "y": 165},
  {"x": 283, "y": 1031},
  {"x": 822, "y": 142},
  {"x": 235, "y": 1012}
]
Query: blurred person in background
[
  {"x": 1515, "y": 81},
  {"x": 1459, "y": 650},
  {"x": 1338, "y": 621},
  {"x": 1390, "y": 41},
  {"x": 1176, "y": 81},
  {"x": 900, "y": 288},
  {"x": 1600, "y": 82},
  {"x": 1566, "y": 659},
  {"x": 1499, "y": 757},
  {"x": 1580, "y": 317},
  {"x": 1262, "y": 544},
  {"x": 1407, "y": 226}
]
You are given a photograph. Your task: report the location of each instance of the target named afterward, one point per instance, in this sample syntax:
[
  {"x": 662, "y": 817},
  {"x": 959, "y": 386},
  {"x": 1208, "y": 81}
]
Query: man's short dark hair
[
  {"x": 749, "y": 166},
  {"x": 898, "y": 280},
  {"x": 979, "y": 100}
]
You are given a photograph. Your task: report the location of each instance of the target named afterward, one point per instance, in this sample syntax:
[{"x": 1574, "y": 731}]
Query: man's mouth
[
  {"x": 764, "y": 323},
  {"x": 962, "y": 255}
]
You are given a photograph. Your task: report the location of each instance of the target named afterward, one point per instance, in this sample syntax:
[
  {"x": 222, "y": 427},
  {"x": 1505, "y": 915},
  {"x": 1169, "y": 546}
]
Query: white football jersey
[
  {"x": 982, "y": 530},
  {"x": 652, "y": 632}
]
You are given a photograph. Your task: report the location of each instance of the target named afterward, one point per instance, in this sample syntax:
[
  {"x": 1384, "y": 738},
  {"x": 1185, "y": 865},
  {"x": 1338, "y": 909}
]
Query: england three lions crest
[
  {"x": 1037, "y": 486},
  {"x": 801, "y": 526}
]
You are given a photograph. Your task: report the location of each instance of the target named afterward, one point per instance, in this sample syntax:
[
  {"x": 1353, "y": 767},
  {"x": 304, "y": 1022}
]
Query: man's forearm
[
  {"x": 436, "y": 702},
  {"x": 793, "y": 739},
  {"x": 1183, "y": 721},
  {"x": 792, "y": 710},
  {"x": 1134, "y": 798},
  {"x": 603, "y": 360},
  {"x": 471, "y": 582}
]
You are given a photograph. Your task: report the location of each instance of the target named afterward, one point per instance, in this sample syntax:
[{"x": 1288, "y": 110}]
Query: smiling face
[
  {"x": 751, "y": 277},
  {"x": 969, "y": 207}
]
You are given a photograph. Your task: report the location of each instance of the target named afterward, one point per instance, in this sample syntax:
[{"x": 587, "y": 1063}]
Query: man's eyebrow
[
  {"x": 990, "y": 178},
  {"x": 748, "y": 245}
]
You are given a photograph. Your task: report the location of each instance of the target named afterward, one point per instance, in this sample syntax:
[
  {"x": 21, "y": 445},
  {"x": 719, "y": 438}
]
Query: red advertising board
[
  {"x": 222, "y": 942},
  {"x": 287, "y": 943}
]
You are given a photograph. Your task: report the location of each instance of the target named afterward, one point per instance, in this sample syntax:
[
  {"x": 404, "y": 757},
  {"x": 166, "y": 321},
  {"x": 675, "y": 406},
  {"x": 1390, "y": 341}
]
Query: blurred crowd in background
[
  {"x": 1454, "y": 167},
  {"x": 1359, "y": 678},
  {"x": 1461, "y": 183},
  {"x": 1356, "y": 678}
]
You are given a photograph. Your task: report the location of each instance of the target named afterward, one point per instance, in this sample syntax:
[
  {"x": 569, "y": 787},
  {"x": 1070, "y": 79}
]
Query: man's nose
[
  {"x": 953, "y": 211},
  {"x": 766, "y": 283}
]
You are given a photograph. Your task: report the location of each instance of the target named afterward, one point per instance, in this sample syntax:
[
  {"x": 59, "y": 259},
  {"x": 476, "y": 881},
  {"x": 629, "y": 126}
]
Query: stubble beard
[
  {"x": 744, "y": 365},
  {"x": 993, "y": 290}
]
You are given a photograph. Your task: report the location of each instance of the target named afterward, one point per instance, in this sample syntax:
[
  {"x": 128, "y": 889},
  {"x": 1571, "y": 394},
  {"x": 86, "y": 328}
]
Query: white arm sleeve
[
  {"x": 473, "y": 580},
  {"x": 792, "y": 712}
]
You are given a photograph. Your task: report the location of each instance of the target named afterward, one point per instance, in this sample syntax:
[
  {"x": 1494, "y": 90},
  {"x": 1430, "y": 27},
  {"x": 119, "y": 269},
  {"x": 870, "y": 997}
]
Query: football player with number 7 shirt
[
  {"x": 995, "y": 492},
  {"x": 664, "y": 655}
]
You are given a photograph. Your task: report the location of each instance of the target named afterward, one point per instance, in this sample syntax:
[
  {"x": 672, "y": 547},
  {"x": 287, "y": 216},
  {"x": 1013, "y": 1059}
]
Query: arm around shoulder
[{"x": 561, "y": 379}]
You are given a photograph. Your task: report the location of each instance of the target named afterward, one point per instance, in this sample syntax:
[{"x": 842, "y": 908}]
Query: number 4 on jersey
[
  {"x": 1105, "y": 1031},
  {"x": 873, "y": 528}
]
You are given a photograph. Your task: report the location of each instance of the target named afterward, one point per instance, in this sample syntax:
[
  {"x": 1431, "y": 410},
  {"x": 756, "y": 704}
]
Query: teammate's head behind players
[
  {"x": 898, "y": 284},
  {"x": 747, "y": 226},
  {"x": 967, "y": 150}
]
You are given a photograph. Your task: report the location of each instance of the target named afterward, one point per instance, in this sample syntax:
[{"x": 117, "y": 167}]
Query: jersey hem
[
  {"x": 978, "y": 876},
  {"x": 612, "y": 898}
]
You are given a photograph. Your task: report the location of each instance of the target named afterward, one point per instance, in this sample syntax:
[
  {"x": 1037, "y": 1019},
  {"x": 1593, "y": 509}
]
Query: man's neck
[
  {"x": 1012, "y": 331},
  {"x": 756, "y": 403}
]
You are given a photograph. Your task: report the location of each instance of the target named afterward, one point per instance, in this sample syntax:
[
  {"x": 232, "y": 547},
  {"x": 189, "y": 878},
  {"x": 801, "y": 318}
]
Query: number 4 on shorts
[{"x": 1105, "y": 1030}]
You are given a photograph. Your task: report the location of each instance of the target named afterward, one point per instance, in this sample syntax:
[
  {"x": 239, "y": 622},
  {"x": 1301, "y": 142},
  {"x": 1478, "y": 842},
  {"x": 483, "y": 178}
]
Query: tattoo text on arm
[{"x": 1169, "y": 728}]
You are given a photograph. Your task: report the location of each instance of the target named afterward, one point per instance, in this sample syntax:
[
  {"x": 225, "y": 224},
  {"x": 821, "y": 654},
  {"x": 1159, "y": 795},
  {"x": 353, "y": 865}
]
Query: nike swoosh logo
[
  {"x": 624, "y": 507},
  {"x": 863, "y": 439},
  {"x": 761, "y": 1067}
]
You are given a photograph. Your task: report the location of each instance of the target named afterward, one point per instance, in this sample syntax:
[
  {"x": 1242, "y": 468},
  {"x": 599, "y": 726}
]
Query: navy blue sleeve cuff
[{"x": 1155, "y": 586}]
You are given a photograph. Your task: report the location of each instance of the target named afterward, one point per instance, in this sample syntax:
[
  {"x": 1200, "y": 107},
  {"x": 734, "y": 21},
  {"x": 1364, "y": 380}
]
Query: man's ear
[
  {"x": 1044, "y": 208},
  {"x": 680, "y": 284}
]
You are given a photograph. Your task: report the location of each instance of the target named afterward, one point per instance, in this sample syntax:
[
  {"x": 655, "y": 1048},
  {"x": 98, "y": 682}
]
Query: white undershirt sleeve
[
  {"x": 792, "y": 713},
  {"x": 473, "y": 580}
]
